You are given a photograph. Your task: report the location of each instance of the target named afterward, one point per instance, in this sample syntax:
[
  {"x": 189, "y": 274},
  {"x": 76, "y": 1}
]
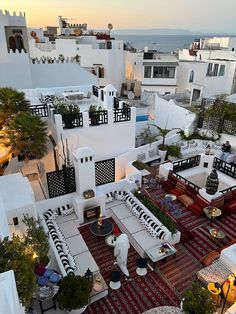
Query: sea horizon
[{"x": 162, "y": 43}]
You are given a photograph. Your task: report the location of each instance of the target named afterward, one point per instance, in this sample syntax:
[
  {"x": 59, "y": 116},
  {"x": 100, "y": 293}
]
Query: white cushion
[
  {"x": 132, "y": 224},
  {"x": 84, "y": 261},
  {"x": 67, "y": 211},
  {"x": 121, "y": 211},
  {"x": 69, "y": 229},
  {"x": 77, "y": 245}
]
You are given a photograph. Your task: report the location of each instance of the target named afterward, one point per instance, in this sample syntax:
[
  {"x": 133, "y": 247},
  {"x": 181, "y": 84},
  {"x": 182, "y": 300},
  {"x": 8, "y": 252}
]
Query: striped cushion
[
  {"x": 181, "y": 185},
  {"x": 228, "y": 196},
  {"x": 185, "y": 200}
]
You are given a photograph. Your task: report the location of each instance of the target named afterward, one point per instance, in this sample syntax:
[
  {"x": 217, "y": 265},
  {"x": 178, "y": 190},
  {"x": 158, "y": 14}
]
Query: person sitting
[
  {"x": 225, "y": 151},
  {"x": 208, "y": 149}
]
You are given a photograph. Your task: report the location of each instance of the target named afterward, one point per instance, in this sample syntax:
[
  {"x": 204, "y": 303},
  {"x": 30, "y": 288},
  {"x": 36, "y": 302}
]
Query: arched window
[
  {"x": 191, "y": 76},
  {"x": 19, "y": 43},
  {"x": 12, "y": 43}
]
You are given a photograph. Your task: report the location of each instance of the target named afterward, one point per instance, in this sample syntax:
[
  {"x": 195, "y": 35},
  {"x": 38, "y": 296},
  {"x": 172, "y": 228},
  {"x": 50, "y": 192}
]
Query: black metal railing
[
  {"x": 232, "y": 188},
  {"x": 70, "y": 121},
  {"x": 116, "y": 103},
  {"x": 95, "y": 90},
  {"x": 98, "y": 117},
  {"x": 186, "y": 163},
  {"x": 40, "y": 110},
  {"x": 194, "y": 186},
  {"x": 61, "y": 182},
  {"x": 121, "y": 115},
  {"x": 221, "y": 118},
  {"x": 225, "y": 167}
]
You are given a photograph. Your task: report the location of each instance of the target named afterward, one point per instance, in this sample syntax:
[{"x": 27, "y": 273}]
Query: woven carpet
[
  {"x": 134, "y": 297},
  {"x": 202, "y": 242}
]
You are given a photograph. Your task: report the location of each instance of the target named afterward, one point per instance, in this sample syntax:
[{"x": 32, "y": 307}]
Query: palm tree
[
  {"x": 26, "y": 134},
  {"x": 163, "y": 133},
  {"x": 11, "y": 102}
]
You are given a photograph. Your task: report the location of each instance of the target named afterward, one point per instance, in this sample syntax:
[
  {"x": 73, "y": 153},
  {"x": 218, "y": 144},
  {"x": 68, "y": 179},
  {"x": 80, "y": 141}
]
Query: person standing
[{"x": 225, "y": 151}]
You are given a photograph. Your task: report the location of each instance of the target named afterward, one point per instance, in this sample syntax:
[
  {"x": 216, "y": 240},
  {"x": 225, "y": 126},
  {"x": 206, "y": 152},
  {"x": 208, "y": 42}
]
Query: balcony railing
[
  {"x": 98, "y": 117},
  {"x": 186, "y": 163},
  {"x": 95, "y": 90},
  {"x": 40, "y": 110},
  {"x": 121, "y": 115},
  {"x": 194, "y": 186},
  {"x": 70, "y": 121},
  {"x": 222, "y": 166}
]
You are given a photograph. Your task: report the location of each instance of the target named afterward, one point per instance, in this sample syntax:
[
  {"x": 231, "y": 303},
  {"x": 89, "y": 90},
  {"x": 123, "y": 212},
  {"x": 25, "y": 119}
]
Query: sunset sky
[{"x": 202, "y": 15}]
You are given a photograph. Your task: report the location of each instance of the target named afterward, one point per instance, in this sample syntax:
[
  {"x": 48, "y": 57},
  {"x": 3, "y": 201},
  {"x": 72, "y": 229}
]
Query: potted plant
[
  {"x": 36, "y": 243},
  {"x": 173, "y": 152},
  {"x": 73, "y": 294},
  {"x": 67, "y": 111},
  {"x": 197, "y": 300},
  {"x": 94, "y": 114},
  {"x": 14, "y": 256}
]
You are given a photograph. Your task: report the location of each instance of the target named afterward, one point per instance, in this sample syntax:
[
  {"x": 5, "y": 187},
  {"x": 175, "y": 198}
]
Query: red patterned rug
[{"x": 134, "y": 297}]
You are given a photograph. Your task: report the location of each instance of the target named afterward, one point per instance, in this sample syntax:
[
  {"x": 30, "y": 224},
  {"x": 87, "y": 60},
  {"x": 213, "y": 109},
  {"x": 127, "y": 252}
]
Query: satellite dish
[{"x": 130, "y": 95}]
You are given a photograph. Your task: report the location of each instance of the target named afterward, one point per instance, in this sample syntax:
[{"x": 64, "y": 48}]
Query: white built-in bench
[
  {"x": 69, "y": 247},
  {"x": 134, "y": 219},
  {"x": 148, "y": 157}
]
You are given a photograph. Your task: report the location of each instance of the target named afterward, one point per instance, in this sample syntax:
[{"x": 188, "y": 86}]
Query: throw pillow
[
  {"x": 141, "y": 156},
  {"x": 67, "y": 211},
  {"x": 151, "y": 153}
]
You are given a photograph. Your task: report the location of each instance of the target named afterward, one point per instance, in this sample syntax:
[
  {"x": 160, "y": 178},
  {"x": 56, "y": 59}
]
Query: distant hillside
[{"x": 154, "y": 31}]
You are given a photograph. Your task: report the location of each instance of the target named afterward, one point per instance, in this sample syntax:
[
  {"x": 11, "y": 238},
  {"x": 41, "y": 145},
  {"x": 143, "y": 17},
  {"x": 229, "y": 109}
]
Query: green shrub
[{"x": 158, "y": 213}]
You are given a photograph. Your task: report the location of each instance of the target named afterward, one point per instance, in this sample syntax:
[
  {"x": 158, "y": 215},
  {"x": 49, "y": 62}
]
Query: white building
[
  {"x": 17, "y": 69},
  {"x": 99, "y": 53},
  {"x": 157, "y": 71},
  {"x": 208, "y": 69}
]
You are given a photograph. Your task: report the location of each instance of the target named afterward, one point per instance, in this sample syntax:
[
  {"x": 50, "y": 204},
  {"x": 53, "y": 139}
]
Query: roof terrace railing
[
  {"x": 186, "y": 163},
  {"x": 121, "y": 115},
  {"x": 95, "y": 90},
  {"x": 232, "y": 188},
  {"x": 40, "y": 110},
  {"x": 98, "y": 117},
  {"x": 70, "y": 121},
  {"x": 194, "y": 186},
  {"x": 225, "y": 167}
]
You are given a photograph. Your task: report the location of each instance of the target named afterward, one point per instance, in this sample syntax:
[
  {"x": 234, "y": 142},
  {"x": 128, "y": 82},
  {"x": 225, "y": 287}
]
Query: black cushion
[
  {"x": 115, "y": 276},
  {"x": 141, "y": 262}
]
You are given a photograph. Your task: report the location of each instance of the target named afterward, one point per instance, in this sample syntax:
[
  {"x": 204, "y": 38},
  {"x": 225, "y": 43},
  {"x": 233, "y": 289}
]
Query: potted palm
[
  {"x": 173, "y": 152},
  {"x": 73, "y": 295},
  {"x": 162, "y": 148}
]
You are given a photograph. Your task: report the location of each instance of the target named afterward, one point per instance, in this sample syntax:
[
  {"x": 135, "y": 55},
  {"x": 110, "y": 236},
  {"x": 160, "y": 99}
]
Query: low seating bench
[
  {"x": 148, "y": 157},
  {"x": 141, "y": 226},
  {"x": 68, "y": 244}
]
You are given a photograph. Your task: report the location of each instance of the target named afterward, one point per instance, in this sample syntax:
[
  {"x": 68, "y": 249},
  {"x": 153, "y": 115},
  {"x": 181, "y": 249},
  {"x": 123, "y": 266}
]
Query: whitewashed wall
[
  {"x": 107, "y": 140},
  {"x": 169, "y": 115}
]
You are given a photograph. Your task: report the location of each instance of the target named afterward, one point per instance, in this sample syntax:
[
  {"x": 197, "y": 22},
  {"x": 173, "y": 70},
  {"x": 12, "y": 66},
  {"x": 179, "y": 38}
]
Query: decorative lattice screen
[
  {"x": 105, "y": 171},
  {"x": 61, "y": 182}
]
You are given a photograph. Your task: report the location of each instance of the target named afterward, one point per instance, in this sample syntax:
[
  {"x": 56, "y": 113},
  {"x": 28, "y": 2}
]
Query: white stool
[{"x": 115, "y": 280}]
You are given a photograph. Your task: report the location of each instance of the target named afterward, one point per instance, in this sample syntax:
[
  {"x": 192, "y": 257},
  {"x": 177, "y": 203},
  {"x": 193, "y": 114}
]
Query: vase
[{"x": 162, "y": 154}]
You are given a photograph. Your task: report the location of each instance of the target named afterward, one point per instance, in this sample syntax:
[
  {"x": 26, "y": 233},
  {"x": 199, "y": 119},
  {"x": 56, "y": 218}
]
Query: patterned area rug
[
  {"x": 202, "y": 242},
  {"x": 136, "y": 296}
]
